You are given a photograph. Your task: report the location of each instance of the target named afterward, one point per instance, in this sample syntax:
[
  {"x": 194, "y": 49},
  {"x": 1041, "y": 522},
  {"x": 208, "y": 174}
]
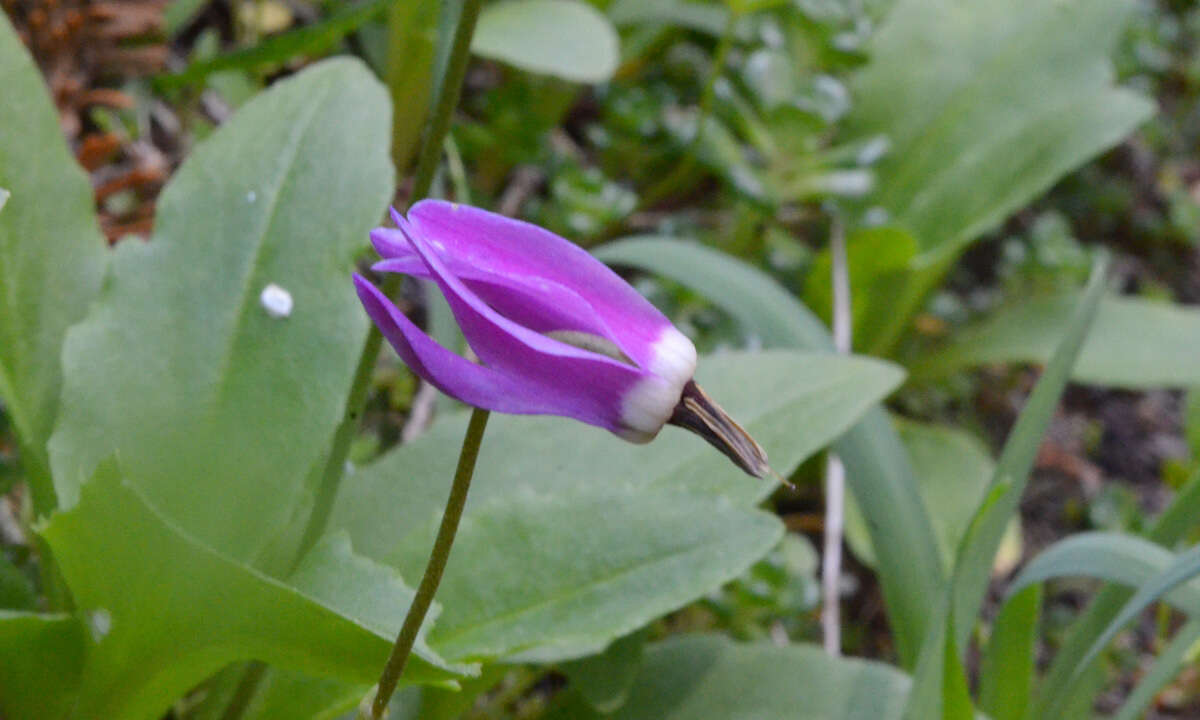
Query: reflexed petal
[
  {"x": 536, "y": 303},
  {"x": 449, "y": 372},
  {"x": 511, "y": 248},
  {"x": 579, "y": 383}
]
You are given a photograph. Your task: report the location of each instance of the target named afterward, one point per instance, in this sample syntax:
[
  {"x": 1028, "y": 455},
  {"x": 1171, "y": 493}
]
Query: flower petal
[
  {"x": 511, "y": 248},
  {"x": 575, "y": 382},
  {"x": 536, "y": 303},
  {"x": 450, "y": 373}
]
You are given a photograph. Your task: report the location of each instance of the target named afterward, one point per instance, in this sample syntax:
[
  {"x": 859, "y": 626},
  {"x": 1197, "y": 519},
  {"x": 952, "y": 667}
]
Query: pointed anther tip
[{"x": 698, "y": 413}]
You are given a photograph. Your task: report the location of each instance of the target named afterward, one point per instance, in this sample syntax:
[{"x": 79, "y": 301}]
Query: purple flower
[{"x": 556, "y": 332}]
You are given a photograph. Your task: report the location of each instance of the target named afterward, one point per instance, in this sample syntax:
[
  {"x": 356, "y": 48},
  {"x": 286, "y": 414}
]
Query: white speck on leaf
[
  {"x": 276, "y": 301},
  {"x": 101, "y": 622},
  {"x": 251, "y": 196}
]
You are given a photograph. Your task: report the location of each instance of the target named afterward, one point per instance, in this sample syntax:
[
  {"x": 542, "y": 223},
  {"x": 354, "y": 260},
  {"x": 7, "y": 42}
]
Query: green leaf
[
  {"x": 767, "y": 313},
  {"x": 565, "y": 38},
  {"x": 1124, "y": 559},
  {"x": 877, "y": 466},
  {"x": 41, "y": 657},
  {"x": 1178, "y": 654},
  {"x": 605, "y": 679},
  {"x": 937, "y": 675},
  {"x": 541, "y": 577},
  {"x": 1133, "y": 344},
  {"x": 163, "y": 611},
  {"x": 953, "y": 469},
  {"x": 1057, "y": 691},
  {"x": 707, "y": 676},
  {"x": 1012, "y": 95},
  {"x": 978, "y": 550},
  {"x": 677, "y": 518},
  {"x": 215, "y": 407},
  {"x": 52, "y": 256},
  {"x": 1008, "y": 669},
  {"x": 793, "y": 403},
  {"x": 1173, "y": 578}
]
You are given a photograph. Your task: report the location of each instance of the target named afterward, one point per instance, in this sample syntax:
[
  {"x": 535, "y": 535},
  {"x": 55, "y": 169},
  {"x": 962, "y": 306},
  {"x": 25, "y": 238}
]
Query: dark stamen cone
[{"x": 698, "y": 413}]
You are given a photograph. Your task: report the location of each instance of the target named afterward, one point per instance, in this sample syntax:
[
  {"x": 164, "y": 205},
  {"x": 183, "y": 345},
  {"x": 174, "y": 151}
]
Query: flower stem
[
  {"x": 447, "y": 100},
  {"x": 434, "y": 568},
  {"x": 439, "y": 124},
  {"x": 335, "y": 463}
]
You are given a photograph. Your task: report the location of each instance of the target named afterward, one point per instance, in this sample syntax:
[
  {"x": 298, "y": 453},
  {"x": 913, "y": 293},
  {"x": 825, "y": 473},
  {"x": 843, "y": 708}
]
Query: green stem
[
  {"x": 439, "y": 124},
  {"x": 443, "y": 113},
  {"x": 434, "y": 568},
  {"x": 356, "y": 400}
]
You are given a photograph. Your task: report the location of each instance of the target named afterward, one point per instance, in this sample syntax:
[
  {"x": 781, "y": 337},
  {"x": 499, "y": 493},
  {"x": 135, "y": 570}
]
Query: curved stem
[
  {"x": 434, "y": 568},
  {"x": 335, "y": 463},
  {"x": 439, "y": 124}
]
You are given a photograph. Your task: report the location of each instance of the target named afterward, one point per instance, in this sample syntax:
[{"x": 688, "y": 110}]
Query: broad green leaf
[
  {"x": 1180, "y": 653},
  {"x": 1008, "y": 669},
  {"x": 1133, "y": 344},
  {"x": 374, "y": 596},
  {"x": 215, "y": 407},
  {"x": 877, "y": 466},
  {"x": 793, "y": 403},
  {"x": 536, "y": 571},
  {"x": 41, "y": 657},
  {"x": 565, "y": 38},
  {"x": 1125, "y": 559},
  {"x": 1010, "y": 95},
  {"x": 550, "y": 577},
  {"x": 953, "y": 469},
  {"x": 52, "y": 256},
  {"x": 698, "y": 677},
  {"x": 1057, "y": 692},
  {"x": 163, "y": 611},
  {"x": 937, "y": 676}
]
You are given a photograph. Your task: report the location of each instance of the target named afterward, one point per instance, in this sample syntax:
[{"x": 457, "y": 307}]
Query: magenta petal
[
  {"x": 450, "y": 373},
  {"x": 574, "y": 382},
  {"x": 510, "y": 248},
  {"x": 536, "y": 303}
]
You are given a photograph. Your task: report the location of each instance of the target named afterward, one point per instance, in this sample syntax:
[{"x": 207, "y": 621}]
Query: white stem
[{"x": 835, "y": 472}]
